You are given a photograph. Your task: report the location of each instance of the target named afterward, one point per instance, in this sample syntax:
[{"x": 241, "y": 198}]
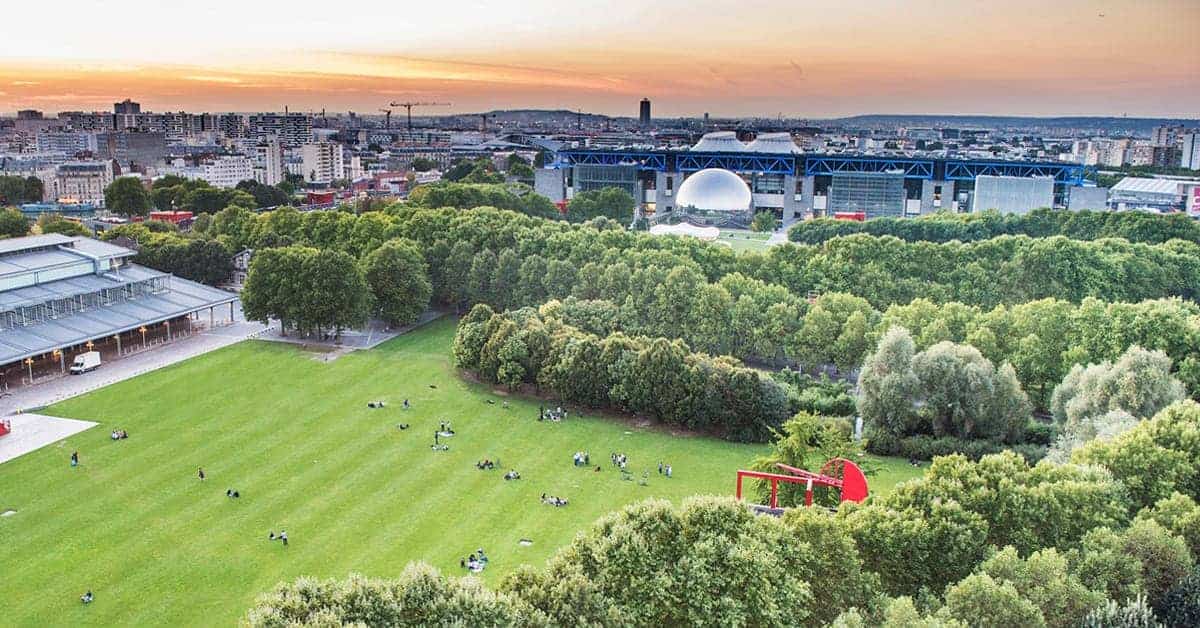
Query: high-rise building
[
  {"x": 644, "y": 112},
  {"x": 322, "y": 162},
  {"x": 29, "y": 114},
  {"x": 127, "y": 107},
  {"x": 226, "y": 171},
  {"x": 1190, "y": 151},
  {"x": 292, "y": 129},
  {"x": 269, "y": 169},
  {"x": 1166, "y": 135}
]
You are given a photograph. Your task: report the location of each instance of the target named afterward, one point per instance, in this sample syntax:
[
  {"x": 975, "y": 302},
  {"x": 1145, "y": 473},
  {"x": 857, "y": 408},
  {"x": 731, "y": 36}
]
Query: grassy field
[
  {"x": 134, "y": 524},
  {"x": 744, "y": 240}
]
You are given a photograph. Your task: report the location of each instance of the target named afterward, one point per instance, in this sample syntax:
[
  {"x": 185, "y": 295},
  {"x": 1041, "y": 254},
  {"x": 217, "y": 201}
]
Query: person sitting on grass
[
  {"x": 87, "y": 598},
  {"x": 512, "y": 475},
  {"x": 402, "y": 426}
]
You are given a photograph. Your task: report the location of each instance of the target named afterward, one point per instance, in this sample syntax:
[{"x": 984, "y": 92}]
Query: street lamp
[
  {"x": 143, "y": 330},
  {"x": 62, "y": 360},
  {"x": 29, "y": 363}
]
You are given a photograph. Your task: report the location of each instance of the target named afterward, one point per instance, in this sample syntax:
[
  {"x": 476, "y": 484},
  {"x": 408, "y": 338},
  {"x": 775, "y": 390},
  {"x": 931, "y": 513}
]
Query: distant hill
[{"x": 1112, "y": 125}]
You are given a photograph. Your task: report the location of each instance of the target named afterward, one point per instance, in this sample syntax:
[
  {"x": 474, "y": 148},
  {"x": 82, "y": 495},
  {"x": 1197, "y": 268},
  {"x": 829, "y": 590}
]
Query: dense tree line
[
  {"x": 16, "y": 190},
  {"x": 306, "y": 289},
  {"x": 990, "y": 543},
  {"x": 1039, "y": 223},
  {"x": 1003, "y": 270},
  {"x": 161, "y": 247},
  {"x": 611, "y": 202},
  {"x": 516, "y": 197},
  {"x": 651, "y": 376},
  {"x": 720, "y": 304}
]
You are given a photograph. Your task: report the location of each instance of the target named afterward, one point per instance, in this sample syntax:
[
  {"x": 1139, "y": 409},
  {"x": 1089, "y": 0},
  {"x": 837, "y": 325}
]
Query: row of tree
[
  {"x": 1112, "y": 542},
  {"x": 620, "y": 282},
  {"x": 882, "y": 270},
  {"x": 655, "y": 377},
  {"x": 16, "y": 190},
  {"x": 318, "y": 290},
  {"x": 127, "y": 195},
  {"x": 1039, "y": 223}
]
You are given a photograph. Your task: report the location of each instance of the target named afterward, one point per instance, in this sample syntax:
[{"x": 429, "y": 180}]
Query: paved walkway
[
  {"x": 34, "y": 431},
  {"x": 376, "y": 333},
  {"x": 115, "y": 371}
]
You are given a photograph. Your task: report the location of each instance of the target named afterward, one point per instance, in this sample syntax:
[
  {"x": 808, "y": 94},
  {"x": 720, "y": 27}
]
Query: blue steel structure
[
  {"x": 766, "y": 163},
  {"x": 1068, "y": 174},
  {"x": 815, "y": 165},
  {"x": 821, "y": 165}
]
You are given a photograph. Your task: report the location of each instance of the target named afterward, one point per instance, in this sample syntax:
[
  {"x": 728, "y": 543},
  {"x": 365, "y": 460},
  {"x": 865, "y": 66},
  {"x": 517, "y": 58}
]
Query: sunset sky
[{"x": 744, "y": 57}]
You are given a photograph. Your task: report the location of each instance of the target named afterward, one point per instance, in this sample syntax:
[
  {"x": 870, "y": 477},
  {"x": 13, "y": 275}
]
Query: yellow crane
[{"x": 409, "y": 105}]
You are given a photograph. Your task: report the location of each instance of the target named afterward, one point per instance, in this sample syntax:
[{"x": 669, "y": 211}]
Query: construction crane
[
  {"x": 409, "y": 105},
  {"x": 387, "y": 118}
]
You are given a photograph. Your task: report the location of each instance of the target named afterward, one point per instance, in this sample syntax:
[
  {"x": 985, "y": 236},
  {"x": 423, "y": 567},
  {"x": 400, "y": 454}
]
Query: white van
[{"x": 85, "y": 362}]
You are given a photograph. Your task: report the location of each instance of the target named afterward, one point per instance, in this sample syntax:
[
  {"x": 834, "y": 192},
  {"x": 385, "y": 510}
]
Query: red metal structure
[
  {"x": 855, "y": 216},
  {"x": 838, "y": 473}
]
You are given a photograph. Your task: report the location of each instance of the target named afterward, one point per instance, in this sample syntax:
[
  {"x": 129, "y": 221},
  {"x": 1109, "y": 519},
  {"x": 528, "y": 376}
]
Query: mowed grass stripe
[{"x": 294, "y": 435}]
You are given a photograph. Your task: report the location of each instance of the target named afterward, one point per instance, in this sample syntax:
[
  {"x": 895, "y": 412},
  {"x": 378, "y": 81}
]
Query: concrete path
[
  {"x": 115, "y": 371},
  {"x": 376, "y": 333},
  {"x": 31, "y": 432}
]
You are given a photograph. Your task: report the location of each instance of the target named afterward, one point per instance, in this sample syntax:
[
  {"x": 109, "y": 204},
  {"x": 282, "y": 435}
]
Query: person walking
[
  {"x": 283, "y": 537},
  {"x": 200, "y": 473},
  {"x": 75, "y": 459}
]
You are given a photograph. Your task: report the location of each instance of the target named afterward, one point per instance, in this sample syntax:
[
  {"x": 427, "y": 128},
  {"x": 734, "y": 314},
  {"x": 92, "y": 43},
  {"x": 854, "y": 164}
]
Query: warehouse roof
[
  {"x": 180, "y": 297},
  {"x": 1143, "y": 185}
]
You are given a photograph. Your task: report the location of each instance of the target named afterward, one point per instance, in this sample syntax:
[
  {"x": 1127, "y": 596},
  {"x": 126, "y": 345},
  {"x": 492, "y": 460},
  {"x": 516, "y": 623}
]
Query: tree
[
  {"x": 336, "y": 295},
  {"x": 979, "y": 600},
  {"x": 947, "y": 389},
  {"x": 1045, "y": 580},
  {"x": 419, "y": 597},
  {"x": 1139, "y": 383},
  {"x": 264, "y": 195},
  {"x": 611, "y": 202},
  {"x": 889, "y": 387},
  {"x": 764, "y": 222},
  {"x": 17, "y": 190},
  {"x": 709, "y": 562},
  {"x": 1158, "y": 457},
  {"x": 398, "y": 278},
  {"x": 35, "y": 190},
  {"x": 275, "y": 286},
  {"x": 422, "y": 164},
  {"x": 13, "y": 224},
  {"x": 53, "y": 223},
  {"x": 1144, "y": 558},
  {"x": 127, "y": 195}
]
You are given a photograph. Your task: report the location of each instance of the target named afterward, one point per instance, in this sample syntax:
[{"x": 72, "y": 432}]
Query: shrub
[
  {"x": 419, "y": 597},
  {"x": 1181, "y": 605}
]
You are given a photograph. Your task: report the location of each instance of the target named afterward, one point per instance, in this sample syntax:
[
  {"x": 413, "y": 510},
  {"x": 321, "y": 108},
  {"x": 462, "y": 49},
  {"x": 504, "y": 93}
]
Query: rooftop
[{"x": 1144, "y": 185}]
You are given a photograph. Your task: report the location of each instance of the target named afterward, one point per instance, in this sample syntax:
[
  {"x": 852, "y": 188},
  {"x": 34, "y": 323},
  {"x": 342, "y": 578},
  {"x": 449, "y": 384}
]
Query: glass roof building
[{"x": 58, "y": 292}]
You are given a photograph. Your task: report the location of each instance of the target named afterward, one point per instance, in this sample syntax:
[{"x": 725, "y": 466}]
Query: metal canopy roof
[
  {"x": 182, "y": 297},
  {"x": 1147, "y": 185}
]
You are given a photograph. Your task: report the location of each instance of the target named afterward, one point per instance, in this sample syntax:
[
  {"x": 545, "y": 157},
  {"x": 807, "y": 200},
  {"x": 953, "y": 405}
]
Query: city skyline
[{"x": 761, "y": 57}]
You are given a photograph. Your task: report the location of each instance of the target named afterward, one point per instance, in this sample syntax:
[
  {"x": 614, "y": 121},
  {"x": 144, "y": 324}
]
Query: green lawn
[
  {"x": 294, "y": 436},
  {"x": 742, "y": 241}
]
